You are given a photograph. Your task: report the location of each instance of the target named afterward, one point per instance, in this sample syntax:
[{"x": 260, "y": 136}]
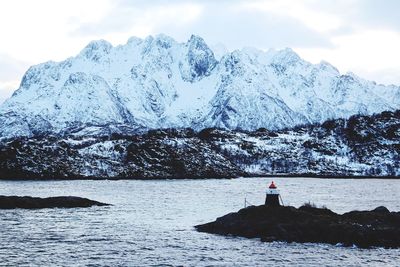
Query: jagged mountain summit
[{"x": 157, "y": 82}]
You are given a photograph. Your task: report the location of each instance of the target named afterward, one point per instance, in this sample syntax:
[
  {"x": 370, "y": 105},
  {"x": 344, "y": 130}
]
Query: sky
[{"x": 361, "y": 36}]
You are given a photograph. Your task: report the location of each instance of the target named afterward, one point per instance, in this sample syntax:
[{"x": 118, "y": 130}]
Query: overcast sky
[{"x": 362, "y": 36}]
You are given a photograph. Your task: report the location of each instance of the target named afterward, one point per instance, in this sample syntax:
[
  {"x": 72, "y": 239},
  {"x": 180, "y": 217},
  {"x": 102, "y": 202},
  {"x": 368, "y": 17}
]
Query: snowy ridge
[
  {"x": 157, "y": 82},
  {"x": 358, "y": 146}
]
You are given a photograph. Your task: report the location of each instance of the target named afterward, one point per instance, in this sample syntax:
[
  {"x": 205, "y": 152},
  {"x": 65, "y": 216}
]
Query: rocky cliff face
[
  {"x": 359, "y": 146},
  {"x": 159, "y": 83}
]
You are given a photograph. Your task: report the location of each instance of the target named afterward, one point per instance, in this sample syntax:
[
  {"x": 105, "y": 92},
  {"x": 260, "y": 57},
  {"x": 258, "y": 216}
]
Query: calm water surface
[{"x": 151, "y": 223}]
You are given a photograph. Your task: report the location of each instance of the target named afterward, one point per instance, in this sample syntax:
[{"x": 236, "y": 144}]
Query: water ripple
[{"x": 151, "y": 223}]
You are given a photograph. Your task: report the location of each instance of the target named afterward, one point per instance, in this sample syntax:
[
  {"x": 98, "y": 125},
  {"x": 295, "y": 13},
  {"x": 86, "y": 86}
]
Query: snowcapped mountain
[{"x": 157, "y": 82}]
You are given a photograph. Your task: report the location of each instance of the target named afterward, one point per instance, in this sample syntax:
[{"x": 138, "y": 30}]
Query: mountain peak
[
  {"x": 196, "y": 39},
  {"x": 199, "y": 61},
  {"x": 157, "y": 82},
  {"x": 164, "y": 41},
  {"x": 286, "y": 56},
  {"x": 327, "y": 66},
  {"x": 96, "y": 49},
  {"x": 134, "y": 40}
]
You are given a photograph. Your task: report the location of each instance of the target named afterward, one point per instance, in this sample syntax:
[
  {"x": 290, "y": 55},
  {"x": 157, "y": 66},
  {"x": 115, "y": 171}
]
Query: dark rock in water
[
  {"x": 13, "y": 202},
  {"x": 381, "y": 209},
  {"x": 376, "y": 228}
]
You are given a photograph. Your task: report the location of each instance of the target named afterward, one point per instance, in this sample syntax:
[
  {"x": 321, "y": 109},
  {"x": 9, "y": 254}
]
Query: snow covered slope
[
  {"x": 157, "y": 82},
  {"x": 358, "y": 146}
]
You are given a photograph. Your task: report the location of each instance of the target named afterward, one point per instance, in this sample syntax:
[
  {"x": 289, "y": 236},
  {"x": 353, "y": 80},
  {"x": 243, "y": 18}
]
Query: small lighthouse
[{"x": 272, "y": 198}]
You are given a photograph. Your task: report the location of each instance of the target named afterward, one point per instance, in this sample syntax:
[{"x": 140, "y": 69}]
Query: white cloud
[
  {"x": 319, "y": 21},
  {"x": 121, "y": 23},
  {"x": 37, "y": 30},
  {"x": 371, "y": 54},
  {"x": 6, "y": 89}
]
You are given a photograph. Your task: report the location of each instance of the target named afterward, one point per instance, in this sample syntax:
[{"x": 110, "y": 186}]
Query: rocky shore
[
  {"x": 365, "y": 229},
  {"x": 13, "y": 202}
]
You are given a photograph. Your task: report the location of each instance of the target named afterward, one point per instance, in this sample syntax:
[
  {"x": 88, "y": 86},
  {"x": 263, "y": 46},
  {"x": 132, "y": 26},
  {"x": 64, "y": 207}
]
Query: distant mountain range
[{"x": 157, "y": 82}]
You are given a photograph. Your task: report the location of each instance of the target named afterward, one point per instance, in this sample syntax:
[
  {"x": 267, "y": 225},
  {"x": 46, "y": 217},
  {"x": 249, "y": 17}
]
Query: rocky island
[
  {"x": 14, "y": 202},
  {"x": 365, "y": 229}
]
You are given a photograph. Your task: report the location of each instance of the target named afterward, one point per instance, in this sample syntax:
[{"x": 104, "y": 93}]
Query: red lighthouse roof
[{"x": 272, "y": 185}]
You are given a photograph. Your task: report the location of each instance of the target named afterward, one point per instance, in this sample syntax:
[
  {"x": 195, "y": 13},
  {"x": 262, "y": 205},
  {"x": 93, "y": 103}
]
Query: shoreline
[{"x": 33, "y": 178}]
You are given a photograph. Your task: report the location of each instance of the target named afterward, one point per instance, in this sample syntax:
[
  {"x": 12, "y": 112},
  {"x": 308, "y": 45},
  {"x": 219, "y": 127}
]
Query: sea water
[{"x": 150, "y": 223}]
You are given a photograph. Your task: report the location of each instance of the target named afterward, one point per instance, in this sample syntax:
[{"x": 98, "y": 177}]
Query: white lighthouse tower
[{"x": 272, "y": 198}]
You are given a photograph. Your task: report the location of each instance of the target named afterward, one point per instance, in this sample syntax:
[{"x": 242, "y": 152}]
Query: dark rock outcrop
[
  {"x": 375, "y": 228},
  {"x": 14, "y": 202}
]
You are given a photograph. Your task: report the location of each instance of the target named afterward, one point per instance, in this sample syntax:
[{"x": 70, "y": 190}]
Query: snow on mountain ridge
[{"x": 157, "y": 82}]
